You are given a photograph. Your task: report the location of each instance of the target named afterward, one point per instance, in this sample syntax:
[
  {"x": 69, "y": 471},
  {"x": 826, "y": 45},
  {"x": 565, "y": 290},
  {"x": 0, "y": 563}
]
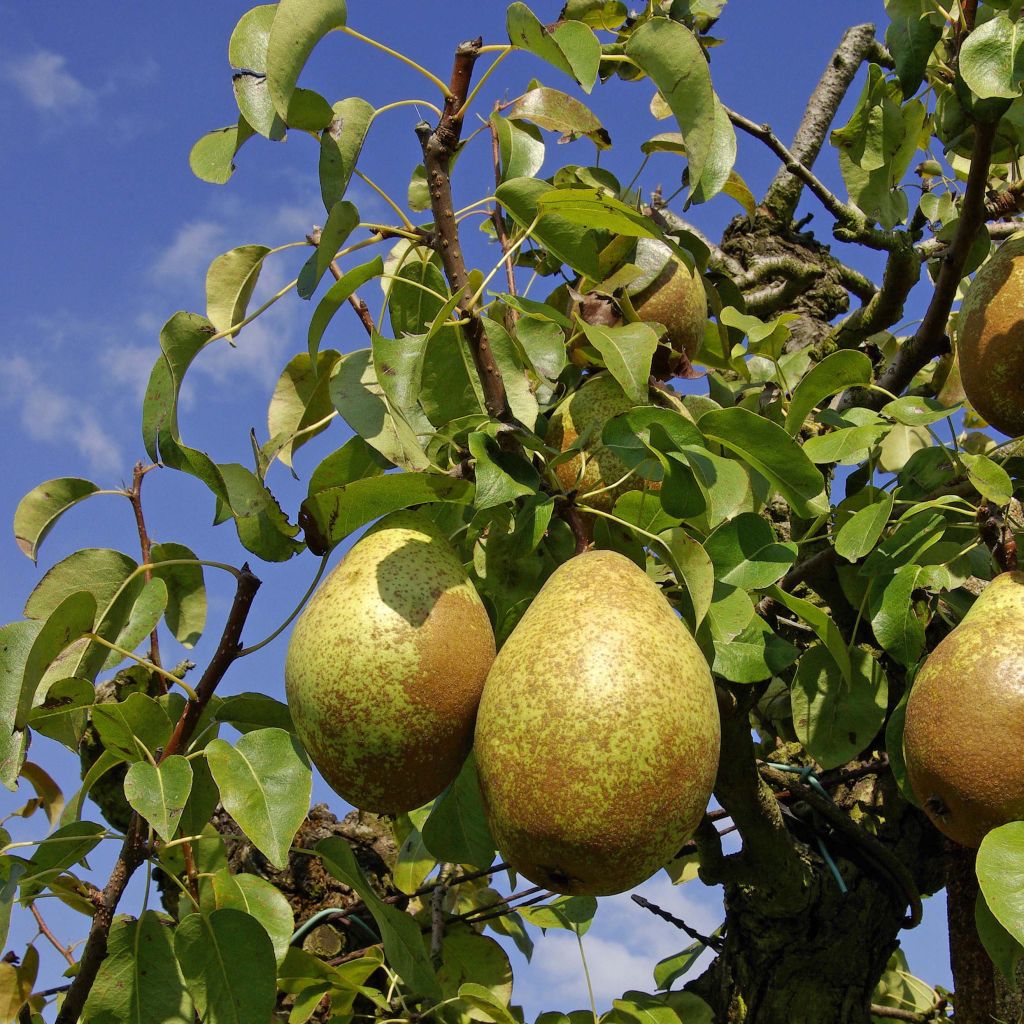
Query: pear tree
[{"x": 565, "y": 364}]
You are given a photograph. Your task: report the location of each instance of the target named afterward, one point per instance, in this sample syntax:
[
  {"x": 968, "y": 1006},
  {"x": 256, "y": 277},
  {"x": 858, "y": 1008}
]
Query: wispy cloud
[
  {"x": 45, "y": 82},
  {"x": 188, "y": 254}
]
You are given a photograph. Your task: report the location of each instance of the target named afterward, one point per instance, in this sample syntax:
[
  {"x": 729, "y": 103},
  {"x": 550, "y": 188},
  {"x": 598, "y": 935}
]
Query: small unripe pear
[
  {"x": 964, "y": 734},
  {"x": 386, "y": 665}
]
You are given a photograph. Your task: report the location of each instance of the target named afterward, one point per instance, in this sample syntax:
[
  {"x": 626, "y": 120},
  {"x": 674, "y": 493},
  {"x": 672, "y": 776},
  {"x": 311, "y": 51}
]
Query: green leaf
[
  {"x": 341, "y": 222},
  {"x": 359, "y": 399},
  {"x": 230, "y": 281},
  {"x": 261, "y": 524},
  {"x": 139, "y": 719},
  {"x": 717, "y": 174},
  {"x": 596, "y": 209},
  {"x": 16, "y": 640},
  {"x": 158, "y": 792},
  {"x": 991, "y": 480},
  {"x": 131, "y": 617},
  {"x": 1002, "y": 948},
  {"x": 486, "y": 1003},
  {"x": 247, "y": 51},
  {"x": 992, "y": 58},
  {"x": 265, "y": 783},
  {"x": 48, "y": 793},
  {"x": 248, "y": 712},
  {"x": 414, "y": 861},
  {"x": 844, "y": 444},
  {"x": 672, "y": 968},
  {"x": 896, "y": 624},
  {"x": 479, "y": 962},
  {"x": 298, "y": 26},
  {"x": 767, "y": 448},
  {"x": 456, "y": 830},
  {"x": 403, "y": 942},
  {"x": 501, "y": 476},
  {"x": 354, "y": 460},
  {"x": 139, "y": 981},
  {"x": 67, "y": 846},
  {"x": 1001, "y": 876},
  {"x": 557, "y": 112},
  {"x": 11, "y": 870},
  {"x": 186, "y": 592},
  {"x": 835, "y": 719},
  {"x": 835, "y": 373},
  {"x": 746, "y": 553},
  {"x": 627, "y": 351},
  {"x": 521, "y": 397},
  {"x": 574, "y": 913},
  {"x": 330, "y": 515},
  {"x": 399, "y": 365},
  {"x": 644, "y": 509},
  {"x": 822, "y": 624},
  {"x": 300, "y": 403},
  {"x": 100, "y": 571},
  {"x": 340, "y": 145},
  {"x": 520, "y": 148},
  {"x": 916, "y": 410},
  {"x": 68, "y": 622},
  {"x": 858, "y": 536},
  {"x": 212, "y": 158},
  {"x": 599, "y": 14},
  {"x": 754, "y": 654},
  {"x": 227, "y": 960},
  {"x": 910, "y": 37},
  {"x": 259, "y": 898},
  {"x": 672, "y": 58},
  {"x": 698, "y": 574},
  {"x": 336, "y": 297},
  {"x": 37, "y": 513},
  {"x": 572, "y": 47}
]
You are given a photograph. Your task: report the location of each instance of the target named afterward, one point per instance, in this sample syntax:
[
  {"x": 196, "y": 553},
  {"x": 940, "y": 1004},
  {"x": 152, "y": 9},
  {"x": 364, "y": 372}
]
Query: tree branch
[
  {"x": 135, "y": 497},
  {"x": 135, "y": 848},
  {"x": 439, "y": 146},
  {"x": 783, "y": 194}
]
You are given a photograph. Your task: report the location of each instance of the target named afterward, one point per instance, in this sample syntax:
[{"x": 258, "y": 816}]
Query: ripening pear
[
  {"x": 386, "y": 665},
  {"x": 598, "y": 734},
  {"x": 990, "y": 339},
  {"x": 964, "y": 734}
]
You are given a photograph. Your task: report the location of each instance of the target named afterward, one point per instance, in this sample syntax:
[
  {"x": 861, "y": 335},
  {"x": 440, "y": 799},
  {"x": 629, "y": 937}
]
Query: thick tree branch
[
  {"x": 135, "y": 848},
  {"x": 973, "y": 971},
  {"x": 783, "y": 194},
  {"x": 439, "y": 146}
]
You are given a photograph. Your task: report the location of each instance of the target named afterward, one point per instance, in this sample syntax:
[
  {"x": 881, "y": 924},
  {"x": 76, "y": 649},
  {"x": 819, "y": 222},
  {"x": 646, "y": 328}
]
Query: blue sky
[{"x": 107, "y": 233}]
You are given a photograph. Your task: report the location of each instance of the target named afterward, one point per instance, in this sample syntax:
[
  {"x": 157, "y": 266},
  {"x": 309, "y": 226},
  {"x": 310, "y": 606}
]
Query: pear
[
  {"x": 990, "y": 339},
  {"x": 385, "y": 667},
  {"x": 964, "y": 734},
  {"x": 583, "y": 415},
  {"x": 597, "y": 738}
]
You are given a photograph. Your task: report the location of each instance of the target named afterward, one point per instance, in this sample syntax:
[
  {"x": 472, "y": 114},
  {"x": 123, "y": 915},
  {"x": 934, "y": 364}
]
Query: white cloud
[
  {"x": 189, "y": 254},
  {"x": 54, "y": 416},
  {"x": 43, "y": 79}
]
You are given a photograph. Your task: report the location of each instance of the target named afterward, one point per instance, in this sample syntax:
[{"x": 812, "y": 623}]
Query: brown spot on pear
[
  {"x": 386, "y": 665},
  {"x": 598, "y": 735},
  {"x": 990, "y": 341},
  {"x": 964, "y": 734}
]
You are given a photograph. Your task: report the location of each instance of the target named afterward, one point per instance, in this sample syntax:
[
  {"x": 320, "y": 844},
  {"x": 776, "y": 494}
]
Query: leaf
[
  {"x": 227, "y": 960},
  {"x": 68, "y": 622},
  {"x": 627, "y": 351},
  {"x": 671, "y": 57},
  {"x": 16, "y": 640},
  {"x": 247, "y": 52},
  {"x": 858, "y": 536},
  {"x": 521, "y": 398},
  {"x": 599, "y": 14},
  {"x": 1002, "y": 948},
  {"x": 822, "y": 624},
  {"x": 399, "y": 366},
  {"x": 265, "y": 783},
  {"x": 248, "y": 712},
  {"x": 717, "y": 174},
  {"x": 100, "y": 571},
  {"x": 488, "y": 1005},
  {"x": 212, "y": 158},
  {"x": 67, "y": 846},
  {"x": 520, "y": 148},
  {"x": 835, "y": 719},
  {"x": 991, "y": 480},
  {"x": 139, "y": 981},
  {"x": 48, "y": 793},
  {"x": 129, "y": 619},
  {"x": 300, "y": 403},
  {"x": 480, "y": 962},
  {"x": 37, "y": 513},
  {"x": 746, "y": 553},
  {"x": 835, "y": 373},
  {"x": 915, "y": 410},
  {"x": 403, "y": 942},
  {"x": 672, "y": 968},
  {"x": 159, "y": 792},
  {"x": 124, "y": 725},
  {"x": 456, "y": 830},
  {"x": 992, "y": 58},
  {"x": 330, "y": 515},
  {"x": 754, "y": 654},
  {"x": 354, "y": 460},
  {"x": 1000, "y": 867},
  {"x": 911, "y": 37},
  {"x": 844, "y": 444},
  {"x": 698, "y": 574},
  {"x": 767, "y": 448},
  {"x": 572, "y": 47},
  {"x": 896, "y": 624},
  {"x": 11, "y": 870},
  {"x": 575, "y": 913},
  {"x": 557, "y": 112},
  {"x": 341, "y": 222},
  {"x": 501, "y": 476},
  {"x": 186, "y": 591},
  {"x": 336, "y": 297},
  {"x": 261, "y": 524},
  {"x": 259, "y": 898},
  {"x": 414, "y": 862},
  {"x": 298, "y": 26},
  {"x": 596, "y": 209},
  {"x": 230, "y": 281}
]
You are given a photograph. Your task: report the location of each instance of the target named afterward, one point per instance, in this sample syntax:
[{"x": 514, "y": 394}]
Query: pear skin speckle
[
  {"x": 598, "y": 735},
  {"x": 964, "y": 729},
  {"x": 386, "y": 665}
]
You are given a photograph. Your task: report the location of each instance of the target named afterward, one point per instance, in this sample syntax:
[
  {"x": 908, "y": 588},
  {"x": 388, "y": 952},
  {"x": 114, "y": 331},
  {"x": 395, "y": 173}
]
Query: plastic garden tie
[
  {"x": 322, "y": 915},
  {"x": 808, "y": 776}
]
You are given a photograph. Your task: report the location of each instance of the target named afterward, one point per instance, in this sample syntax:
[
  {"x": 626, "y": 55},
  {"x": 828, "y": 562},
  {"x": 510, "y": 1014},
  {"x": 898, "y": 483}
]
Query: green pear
[
  {"x": 385, "y": 667},
  {"x": 598, "y": 734},
  {"x": 964, "y": 734}
]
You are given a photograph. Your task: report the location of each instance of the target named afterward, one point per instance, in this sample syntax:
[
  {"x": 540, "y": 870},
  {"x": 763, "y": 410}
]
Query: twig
[
  {"x": 439, "y": 145},
  {"x": 708, "y": 940},
  {"x": 44, "y": 929},
  {"x": 437, "y": 916},
  {"x": 135, "y": 497},
  {"x": 496, "y": 214},
  {"x": 361, "y": 308},
  {"x": 997, "y": 536},
  {"x": 471, "y": 877},
  {"x": 783, "y": 194},
  {"x": 135, "y": 848},
  {"x": 472, "y": 915},
  {"x": 895, "y": 1013}
]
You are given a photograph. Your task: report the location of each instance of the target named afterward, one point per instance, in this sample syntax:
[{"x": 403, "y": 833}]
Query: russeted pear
[
  {"x": 583, "y": 415},
  {"x": 964, "y": 734},
  {"x": 990, "y": 339},
  {"x": 386, "y": 664},
  {"x": 598, "y": 734}
]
